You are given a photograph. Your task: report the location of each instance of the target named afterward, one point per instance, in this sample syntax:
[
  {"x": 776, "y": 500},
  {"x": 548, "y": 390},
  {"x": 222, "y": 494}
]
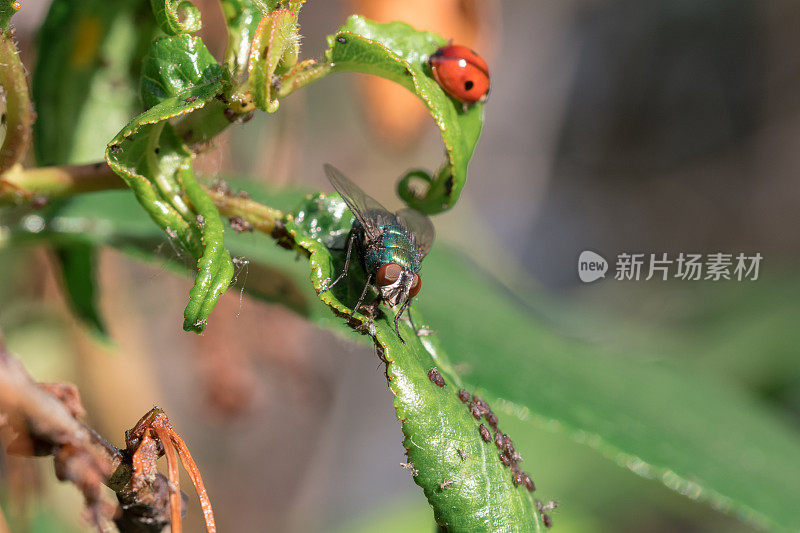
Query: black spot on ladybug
[
  {"x": 468, "y": 85},
  {"x": 463, "y": 395},
  {"x": 436, "y": 377},
  {"x": 341, "y": 40},
  {"x": 485, "y": 435}
]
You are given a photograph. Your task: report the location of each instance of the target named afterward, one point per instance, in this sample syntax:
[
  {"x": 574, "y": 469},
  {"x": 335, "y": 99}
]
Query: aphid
[
  {"x": 485, "y": 435},
  {"x": 528, "y": 482},
  {"x": 190, "y": 99},
  {"x": 508, "y": 446},
  {"x": 461, "y": 73},
  {"x": 505, "y": 459},
  {"x": 499, "y": 440},
  {"x": 543, "y": 511},
  {"x": 410, "y": 466},
  {"x": 492, "y": 419},
  {"x": 444, "y": 484},
  {"x": 475, "y": 410},
  {"x": 482, "y": 405},
  {"x": 436, "y": 377},
  {"x": 462, "y": 453},
  {"x": 518, "y": 478},
  {"x": 463, "y": 395},
  {"x": 389, "y": 246},
  {"x": 239, "y": 225}
]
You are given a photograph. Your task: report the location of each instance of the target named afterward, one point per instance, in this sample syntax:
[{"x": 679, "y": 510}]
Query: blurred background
[{"x": 613, "y": 125}]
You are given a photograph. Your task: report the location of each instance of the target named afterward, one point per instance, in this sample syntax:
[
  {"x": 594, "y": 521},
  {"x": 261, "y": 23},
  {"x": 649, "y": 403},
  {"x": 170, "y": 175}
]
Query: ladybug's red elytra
[{"x": 461, "y": 72}]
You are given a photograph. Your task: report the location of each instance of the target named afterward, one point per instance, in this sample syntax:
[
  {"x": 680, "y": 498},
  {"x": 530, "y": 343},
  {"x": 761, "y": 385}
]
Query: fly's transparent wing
[
  {"x": 420, "y": 225},
  {"x": 367, "y": 210}
]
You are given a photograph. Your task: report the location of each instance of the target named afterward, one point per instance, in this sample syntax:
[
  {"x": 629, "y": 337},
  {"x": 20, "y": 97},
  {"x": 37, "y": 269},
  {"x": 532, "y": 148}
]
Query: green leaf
[
  {"x": 82, "y": 84},
  {"x": 7, "y": 10},
  {"x": 274, "y": 50},
  {"x": 176, "y": 65},
  {"x": 462, "y": 476},
  {"x": 398, "y": 52},
  {"x": 17, "y": 111},
  {"x": 242, "y": 18},
  {"x": 180, "y": 77},
  {"x": 176, "y": 16},
  {"x": 78, "y": 266},
  {"x": 674, "y": 423}
]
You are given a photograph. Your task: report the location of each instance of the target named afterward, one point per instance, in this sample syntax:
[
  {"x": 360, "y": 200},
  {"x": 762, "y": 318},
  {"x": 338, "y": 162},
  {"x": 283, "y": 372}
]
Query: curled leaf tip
[{"x": 176, "y": 16}]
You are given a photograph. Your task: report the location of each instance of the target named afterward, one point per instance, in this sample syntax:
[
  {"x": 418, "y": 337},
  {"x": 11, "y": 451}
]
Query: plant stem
[
  {"x": 18, "y": 115},
  {"x": 24, "y": 185},
  {"x": 302, "y": 74},
  {"x": 260, "y": 216}
]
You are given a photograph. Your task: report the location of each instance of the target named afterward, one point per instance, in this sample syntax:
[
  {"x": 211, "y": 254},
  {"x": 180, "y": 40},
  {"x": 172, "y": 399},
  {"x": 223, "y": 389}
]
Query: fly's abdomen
[{"x": 395, "y": 246}]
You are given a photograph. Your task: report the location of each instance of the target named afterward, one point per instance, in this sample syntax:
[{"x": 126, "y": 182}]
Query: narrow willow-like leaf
[
  {"x": 274, "y": 50},
  {"x": 466, "y": 483},
  {"x": 18, "y": 114},
  {"x": 180, "y": 77},
  {"x": 176, "y": 16},
  {"x": 78, "y": 265},
  {"x": 242, "y": 18},
  {"x": 398, "y": 52},
  {"x": 82, "y": 84},
  {"x": 84, "y": 92}
]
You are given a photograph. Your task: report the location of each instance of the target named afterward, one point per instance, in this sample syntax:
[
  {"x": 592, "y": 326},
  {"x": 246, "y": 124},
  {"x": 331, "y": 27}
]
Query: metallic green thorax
[{"x": 395, "y": 246}]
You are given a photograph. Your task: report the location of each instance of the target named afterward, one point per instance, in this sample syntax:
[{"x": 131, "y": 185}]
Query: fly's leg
[
  {"x": 346, "y": 265},
  {"x": 363, "y": 294},
  {"x": 397, "y": 318}
]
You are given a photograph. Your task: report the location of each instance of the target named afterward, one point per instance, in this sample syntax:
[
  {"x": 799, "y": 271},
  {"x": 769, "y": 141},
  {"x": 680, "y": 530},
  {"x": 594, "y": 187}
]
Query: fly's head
[{"x": 397, "y": 284}]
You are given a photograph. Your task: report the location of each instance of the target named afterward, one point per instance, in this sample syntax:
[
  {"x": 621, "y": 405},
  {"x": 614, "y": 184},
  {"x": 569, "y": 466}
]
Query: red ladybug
[{"x": 461, "y": 72}]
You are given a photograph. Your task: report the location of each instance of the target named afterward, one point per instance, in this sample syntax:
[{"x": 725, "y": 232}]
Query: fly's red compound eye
[
  {"x": 461, "y": 72},
  {"x": 415, "y": 286},
  {"x": 388, "y": 274}
]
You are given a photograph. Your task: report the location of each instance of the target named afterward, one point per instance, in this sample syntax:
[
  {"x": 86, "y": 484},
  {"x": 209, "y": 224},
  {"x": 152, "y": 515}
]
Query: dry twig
[{"x": 44, "y": 419}]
